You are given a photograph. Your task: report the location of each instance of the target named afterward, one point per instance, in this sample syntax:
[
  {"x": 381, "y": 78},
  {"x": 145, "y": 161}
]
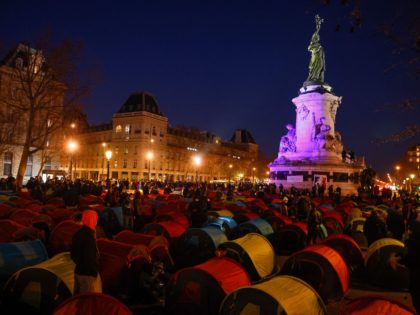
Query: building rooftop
[{"x": 141, "y": 102}]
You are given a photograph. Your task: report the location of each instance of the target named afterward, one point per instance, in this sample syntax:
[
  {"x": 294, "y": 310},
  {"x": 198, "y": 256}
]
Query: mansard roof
[
  {"x": 139, "y": 102},
  {"x": 242, "y": 136}
]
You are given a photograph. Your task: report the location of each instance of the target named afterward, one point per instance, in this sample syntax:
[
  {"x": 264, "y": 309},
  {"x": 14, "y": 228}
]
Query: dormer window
[{"x": 19, "y": 63}]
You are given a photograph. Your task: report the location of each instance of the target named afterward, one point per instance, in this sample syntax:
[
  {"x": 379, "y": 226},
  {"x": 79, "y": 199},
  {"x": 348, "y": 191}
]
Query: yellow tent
[
  {"x": 40, "y": 288},
  {"x": 279, "y": 295}
]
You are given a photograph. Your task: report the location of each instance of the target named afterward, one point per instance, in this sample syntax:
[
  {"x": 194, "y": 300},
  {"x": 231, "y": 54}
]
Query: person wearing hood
[{"x": 85, "y": 255}]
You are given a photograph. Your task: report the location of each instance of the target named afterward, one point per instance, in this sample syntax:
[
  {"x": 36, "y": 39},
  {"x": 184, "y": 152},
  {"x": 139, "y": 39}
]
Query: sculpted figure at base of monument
[
  {"x": 288, "y": 141},
  {"x": 320, "y": 132}
]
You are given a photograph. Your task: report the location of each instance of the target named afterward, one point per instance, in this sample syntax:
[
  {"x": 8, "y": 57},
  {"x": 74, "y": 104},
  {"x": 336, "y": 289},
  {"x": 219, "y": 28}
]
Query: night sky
[{"x": 223, "y": 65}]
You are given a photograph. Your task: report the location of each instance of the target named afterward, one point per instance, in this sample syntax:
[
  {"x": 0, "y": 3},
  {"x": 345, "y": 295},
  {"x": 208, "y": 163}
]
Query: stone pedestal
[{"x": 318, "y": 147}]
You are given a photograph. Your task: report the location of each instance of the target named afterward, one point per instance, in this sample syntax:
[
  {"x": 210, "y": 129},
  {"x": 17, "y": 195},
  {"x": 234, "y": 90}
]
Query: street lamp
[
  {"x": 411, "y": 184},
  {"x": 253, "y": 175},
  {"x": 197, "y": 162},
  {"x": 398, "y": 172},
  {"x": 230, "y": 172},
  {"x": 72, "y": 146},
  {"x": 149, "y": 157},
  {"x": 108, "y": 155}
]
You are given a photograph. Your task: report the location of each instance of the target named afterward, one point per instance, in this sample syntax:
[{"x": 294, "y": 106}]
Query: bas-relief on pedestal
[{"x": 314, "y": 146}]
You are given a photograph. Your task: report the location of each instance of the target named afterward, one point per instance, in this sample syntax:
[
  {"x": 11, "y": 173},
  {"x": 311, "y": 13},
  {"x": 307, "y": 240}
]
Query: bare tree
[
  {"x": 402, "y": 30},
  {"x": 42, "y": 82}
]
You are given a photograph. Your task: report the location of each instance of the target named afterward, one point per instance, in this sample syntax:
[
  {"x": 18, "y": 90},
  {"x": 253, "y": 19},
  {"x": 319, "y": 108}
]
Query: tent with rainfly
[
  {"x": 378, "y": 269},
  {"x": 321, "y": 267},
  {"x": 254, "y": 252},
  {"x": 201, "y": 289},
  {"x": 39, "y": 289},
  {"x": 92, "y": 303},
  {"x": 18, "y": 255},
  {"x": 279, "y": 295},
  {"x": 197, "y": 245}
]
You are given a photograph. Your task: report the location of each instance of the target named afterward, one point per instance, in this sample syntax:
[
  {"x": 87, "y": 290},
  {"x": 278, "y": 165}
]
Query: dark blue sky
[{"x": 222, "y": 65}]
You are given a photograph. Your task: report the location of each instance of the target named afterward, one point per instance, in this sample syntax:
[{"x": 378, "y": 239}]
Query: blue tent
[{"x": 14, "y": 256}]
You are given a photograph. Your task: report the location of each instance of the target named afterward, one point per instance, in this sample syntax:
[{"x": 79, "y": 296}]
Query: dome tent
[
  {"x": 201, "y": 289},
  {"x": 321, "y": 267},
  {"x": 277, "y": 220},
  {"x": 117, "y": 261},
  {"x": 92, "y": 303},
  {"x": 61, "y": 236},
  {"x": 226, "y": 224},
  {"x": 333, "y": 222},
  {"x": 7, "y": 230},
  {"x": 197, "y": 245},
  {"x": 15, "y": 256},
  {"x": 169, "y": 229},
  {"x": 348, "y": 249},
  {"x": 257, "y": 225},
  {"x": 279, "y": 295},
  {"x": 254, "y": 252},
  {"x": 356, "y": 228},
  {"x": 291, "y": 238},
  {"x": 40, "y": 288},
  {"x": 157, "y": 245},
  {"x": 379, "y": 271}
]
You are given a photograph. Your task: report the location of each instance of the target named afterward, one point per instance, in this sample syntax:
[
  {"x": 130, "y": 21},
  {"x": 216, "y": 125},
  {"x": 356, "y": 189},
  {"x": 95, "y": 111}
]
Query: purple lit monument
[{"x": 313, "y": 152}]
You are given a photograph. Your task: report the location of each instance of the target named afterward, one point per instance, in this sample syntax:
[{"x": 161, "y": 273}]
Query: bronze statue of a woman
[{"x": 317, "y": 63}]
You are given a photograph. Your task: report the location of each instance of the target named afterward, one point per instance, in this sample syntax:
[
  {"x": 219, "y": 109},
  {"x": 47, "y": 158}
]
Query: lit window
[
  {"x": 115, "y": 164},
  {"x": 127, "y": 129},
  {"x": 126, "y": 150},
  {"x": 118, "y": 129},
  {"x": 7, "y": 163}
]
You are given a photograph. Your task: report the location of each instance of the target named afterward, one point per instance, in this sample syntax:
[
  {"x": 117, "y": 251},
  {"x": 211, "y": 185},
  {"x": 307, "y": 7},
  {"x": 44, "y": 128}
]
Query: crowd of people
[{"x": 401, "y": 222}]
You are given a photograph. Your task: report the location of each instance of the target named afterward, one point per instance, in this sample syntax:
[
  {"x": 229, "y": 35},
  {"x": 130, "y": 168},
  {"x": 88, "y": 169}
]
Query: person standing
[
  {"x": 314, "y": 226},
  {"x": 85, "y": 255}
]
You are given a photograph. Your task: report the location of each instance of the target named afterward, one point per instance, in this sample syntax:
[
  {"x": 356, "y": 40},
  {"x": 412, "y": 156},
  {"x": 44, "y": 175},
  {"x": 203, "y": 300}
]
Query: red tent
[
  {"x": 277, "y": 220},
  {"x": 115, "y": 261},
  {"x": 347, "y": 248},
  {"x": 291, "y": 238},
  {"x": 333, "y": 221},
  {"x": 321, "y": 267},
  {"x": 174, "y": 216},
  {"x": 202, "y": 288},
  {"x": 7, "y": 230},
  {"x": 23, "y": 216},
  {"x": 169, "y": 229},
  {"x": 158, "y": 245},
  {"x": 5, "y": 211},
  {"x": 92, "y": 303},
  {"x": 61, "y": 235}
]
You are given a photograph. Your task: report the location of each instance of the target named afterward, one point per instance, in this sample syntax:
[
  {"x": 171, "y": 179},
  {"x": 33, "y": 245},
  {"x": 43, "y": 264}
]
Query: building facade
[
  {"x": 144, "y": 145},
  {"x": 31, "y": 113}
]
